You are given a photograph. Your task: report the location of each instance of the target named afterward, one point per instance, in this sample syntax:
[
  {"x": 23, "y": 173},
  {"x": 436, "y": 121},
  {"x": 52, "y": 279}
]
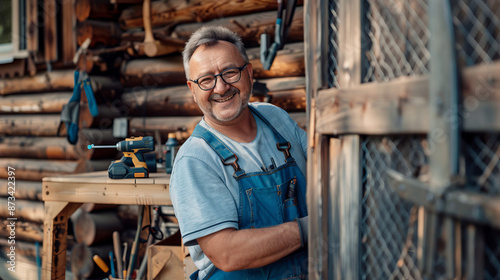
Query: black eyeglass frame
[{"x": 220, "y": 74}]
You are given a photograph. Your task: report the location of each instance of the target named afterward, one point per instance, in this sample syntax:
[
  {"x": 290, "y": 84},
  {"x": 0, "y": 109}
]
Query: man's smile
[{"x": 224, "y": 99}]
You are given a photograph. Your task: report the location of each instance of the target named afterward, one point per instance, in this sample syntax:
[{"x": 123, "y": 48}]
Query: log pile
[{"x": 135, "y": 66}]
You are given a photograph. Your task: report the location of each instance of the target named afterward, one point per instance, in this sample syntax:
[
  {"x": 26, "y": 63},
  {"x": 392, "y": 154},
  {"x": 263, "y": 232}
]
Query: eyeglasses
[{"x": 229, "y": 76}]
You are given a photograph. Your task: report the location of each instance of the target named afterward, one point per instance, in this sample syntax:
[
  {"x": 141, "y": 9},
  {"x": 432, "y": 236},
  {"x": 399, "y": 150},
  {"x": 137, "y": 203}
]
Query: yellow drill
[{"x": 134, "y": 163}]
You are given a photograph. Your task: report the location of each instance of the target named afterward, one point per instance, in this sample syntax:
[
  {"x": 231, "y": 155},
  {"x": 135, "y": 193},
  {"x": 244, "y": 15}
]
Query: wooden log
[
  {"x": 51, "y": 102},
  {"x": 41, "y": 148},
  {"x": 30, "y": 125},
  {"x": 60, "y": 80},
  {"x": 165, "y": 12},
  {"x": 27, "y": 190},
  {"x": 105, "y": 33},
  {"x": 36, "y": 169},
  {"x": 95, "y": 9},
  {"x": 48, "y": 124},
  {"x": 170, "y": 101},
  {"x": 26, "y": 210},
  {"x": 93, "y": 228},
  {"x": 289, "y": 100},
  {"x": 151, "y": 73},
  {"x": 164, "y": 125},
  {"x": 249, "y": 27},
  {"x": 279, "y": 84},
  {"x": 289, "y": 62},
  {"x": 25, "y": 231}
]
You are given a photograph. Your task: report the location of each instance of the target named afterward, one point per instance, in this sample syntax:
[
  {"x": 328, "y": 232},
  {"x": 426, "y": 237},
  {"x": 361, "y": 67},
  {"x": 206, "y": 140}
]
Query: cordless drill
[{"x": 134, "y": 163}]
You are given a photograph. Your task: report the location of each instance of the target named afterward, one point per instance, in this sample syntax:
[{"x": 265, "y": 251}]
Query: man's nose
[{"x": 220, "y": 85}]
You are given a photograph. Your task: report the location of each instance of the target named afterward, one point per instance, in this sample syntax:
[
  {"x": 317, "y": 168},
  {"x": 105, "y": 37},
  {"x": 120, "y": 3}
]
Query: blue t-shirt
[{"x": 203, "y": 191}]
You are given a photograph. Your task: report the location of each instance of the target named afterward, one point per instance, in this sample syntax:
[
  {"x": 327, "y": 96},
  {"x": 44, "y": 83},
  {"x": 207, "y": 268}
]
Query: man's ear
[
  {"x": 191, "y": 88},
  {"x": 249, "y": 68}
]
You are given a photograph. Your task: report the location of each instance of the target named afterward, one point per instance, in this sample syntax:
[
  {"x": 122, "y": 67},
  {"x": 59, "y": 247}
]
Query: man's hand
[{"x": 231, "y": 249}]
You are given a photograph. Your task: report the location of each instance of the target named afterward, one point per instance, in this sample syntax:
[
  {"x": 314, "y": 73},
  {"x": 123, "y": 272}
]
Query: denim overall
[{"x": 266, "y": 199}]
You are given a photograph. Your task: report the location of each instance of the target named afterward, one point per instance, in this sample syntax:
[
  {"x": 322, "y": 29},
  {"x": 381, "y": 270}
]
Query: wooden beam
[
  {"x": 402, "y": 105},
  {"x": 50, "y": 29},
  {"x": 55, "y": 228},
  {"x": 32, "y": 25},
  {"x": 68, "y": 35}
]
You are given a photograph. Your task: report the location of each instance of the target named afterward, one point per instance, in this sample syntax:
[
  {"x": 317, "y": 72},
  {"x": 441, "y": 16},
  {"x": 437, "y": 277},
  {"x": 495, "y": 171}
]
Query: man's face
[{"x": 225, "y": 102}]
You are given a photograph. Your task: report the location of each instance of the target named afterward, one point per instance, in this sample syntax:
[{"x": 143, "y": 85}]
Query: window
[{"x": 12, "y": 30}]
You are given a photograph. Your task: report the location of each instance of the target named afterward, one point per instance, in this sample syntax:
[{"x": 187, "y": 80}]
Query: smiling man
[{"x": 238, "y": 184}]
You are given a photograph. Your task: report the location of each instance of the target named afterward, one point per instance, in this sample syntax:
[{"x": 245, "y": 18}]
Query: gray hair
[{"x": 209, "y": 35}]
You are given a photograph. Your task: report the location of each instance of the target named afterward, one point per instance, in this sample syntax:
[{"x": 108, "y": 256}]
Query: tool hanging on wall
[
  {"x": 267, "y": 54},
  {"x": 70, "y": 113}
]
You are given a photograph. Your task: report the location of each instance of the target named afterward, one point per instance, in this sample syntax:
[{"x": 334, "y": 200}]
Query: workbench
[{"x": 63, "y": 195}]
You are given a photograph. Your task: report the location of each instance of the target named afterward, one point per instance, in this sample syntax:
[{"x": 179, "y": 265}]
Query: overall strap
[
  {"x": 224, "y": 153},
  {"x": 281, "y": 142}
]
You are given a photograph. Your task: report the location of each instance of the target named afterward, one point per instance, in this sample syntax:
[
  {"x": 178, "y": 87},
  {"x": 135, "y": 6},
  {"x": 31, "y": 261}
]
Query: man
[{"x": 238, "y": 185}]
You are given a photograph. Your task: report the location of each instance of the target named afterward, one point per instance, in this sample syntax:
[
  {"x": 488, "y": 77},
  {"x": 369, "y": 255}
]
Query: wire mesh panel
[
  {"x": 333, "y": 21},
  {"x": 396, "y": 35},
  {"x": 482, "y": 157},
  {"x": 477, "y": 29},
  {"x": 389, "y": 223}
]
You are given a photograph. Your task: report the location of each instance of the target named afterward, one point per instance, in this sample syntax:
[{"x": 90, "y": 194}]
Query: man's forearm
[{"x": 232, "y": 249}]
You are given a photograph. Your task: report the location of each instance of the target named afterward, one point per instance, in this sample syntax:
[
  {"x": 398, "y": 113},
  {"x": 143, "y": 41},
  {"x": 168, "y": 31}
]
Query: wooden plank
[
  {"x": 68, "y": 34},
  {"x": 396, "y": 107},
  {"x": 50, "y": 29},
  {"x": 350, "y": 183},
  {"x": 402, "y": 105},
  {"x": 445, "y": 126},
  {"x": 32, "y": 25},
  {"x": 111, "y": 193}
]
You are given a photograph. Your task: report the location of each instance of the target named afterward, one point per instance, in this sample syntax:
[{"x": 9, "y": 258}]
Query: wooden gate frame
[{"x": 337, "y": 116}]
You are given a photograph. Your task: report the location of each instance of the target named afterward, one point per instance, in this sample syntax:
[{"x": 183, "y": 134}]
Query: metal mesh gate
[{"x": 395, "y": 38}]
